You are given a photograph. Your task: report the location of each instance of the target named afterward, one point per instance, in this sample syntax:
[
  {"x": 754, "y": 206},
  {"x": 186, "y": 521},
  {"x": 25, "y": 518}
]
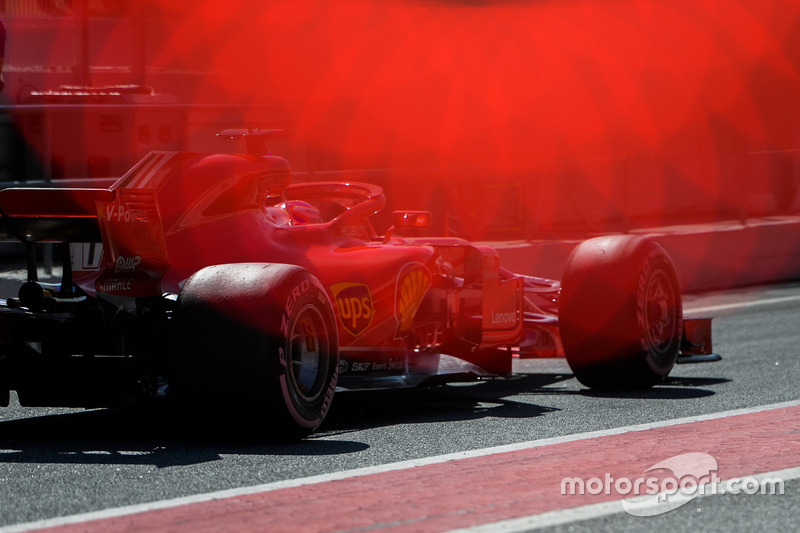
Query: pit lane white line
[
  {"x": 599, "y": 510},
  {"x": 740, "y": 305},
  {"x": 242, "y": 491}
]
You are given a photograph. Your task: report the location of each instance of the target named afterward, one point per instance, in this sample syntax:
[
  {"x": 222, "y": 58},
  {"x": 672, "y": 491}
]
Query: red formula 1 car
[{"x": 202, "y": 277}]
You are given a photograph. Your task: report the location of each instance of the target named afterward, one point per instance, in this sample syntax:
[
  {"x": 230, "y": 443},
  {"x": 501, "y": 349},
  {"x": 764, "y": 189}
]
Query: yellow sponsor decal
[{"x": 412, "y": 285}]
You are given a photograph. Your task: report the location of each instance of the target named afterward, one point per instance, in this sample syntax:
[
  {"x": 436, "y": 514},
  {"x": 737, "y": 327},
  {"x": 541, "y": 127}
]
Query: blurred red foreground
[{"x": 516, "y": 117}]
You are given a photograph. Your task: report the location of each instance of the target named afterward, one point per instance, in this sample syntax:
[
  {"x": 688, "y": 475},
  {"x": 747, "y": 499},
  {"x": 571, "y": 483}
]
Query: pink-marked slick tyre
[
  {"x": 620, "y": 312},
  {"x": 262, "y": 338}
]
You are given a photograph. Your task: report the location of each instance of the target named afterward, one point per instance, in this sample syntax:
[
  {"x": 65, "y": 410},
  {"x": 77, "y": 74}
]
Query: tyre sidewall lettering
[
  {"x": 305, "y": 292},
  {"x": 295, "y": 293}
]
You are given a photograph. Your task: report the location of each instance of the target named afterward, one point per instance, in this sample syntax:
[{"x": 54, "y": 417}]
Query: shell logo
[
  {"x": 354, "y": 303},
  {"x": 411, "y": 288}
]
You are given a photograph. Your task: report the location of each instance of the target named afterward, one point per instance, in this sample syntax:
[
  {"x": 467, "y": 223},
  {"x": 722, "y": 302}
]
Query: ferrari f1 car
[{"x": 203, "y": 277}]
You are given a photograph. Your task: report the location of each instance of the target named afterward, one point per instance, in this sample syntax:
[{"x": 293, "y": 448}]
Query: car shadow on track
[
  {"x": 143, "y": 434},
  {"x": 151, "y": 435},
  {"x": 670, "y": 389},
  {"x": 500, "y": 398},
  {"x": 353, "y": 411}
]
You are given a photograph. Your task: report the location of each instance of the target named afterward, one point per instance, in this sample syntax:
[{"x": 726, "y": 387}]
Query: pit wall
[{"x": 707, "y": 257}]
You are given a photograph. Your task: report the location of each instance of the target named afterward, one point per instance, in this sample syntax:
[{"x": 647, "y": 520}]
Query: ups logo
[{"x": 354, "y": 303}]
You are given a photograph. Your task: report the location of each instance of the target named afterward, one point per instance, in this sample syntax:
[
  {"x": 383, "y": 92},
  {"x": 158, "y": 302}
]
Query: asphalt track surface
[{"x": 457, "y": 456}]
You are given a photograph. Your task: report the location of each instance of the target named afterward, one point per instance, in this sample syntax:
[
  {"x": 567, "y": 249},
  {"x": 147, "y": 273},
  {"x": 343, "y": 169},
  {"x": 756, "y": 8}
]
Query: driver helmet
[{"x": 302, "y": 212}]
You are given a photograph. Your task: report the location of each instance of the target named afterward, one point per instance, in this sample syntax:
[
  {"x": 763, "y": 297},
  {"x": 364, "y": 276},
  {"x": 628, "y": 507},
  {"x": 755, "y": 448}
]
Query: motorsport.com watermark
[{"x": 691, "y": 475}]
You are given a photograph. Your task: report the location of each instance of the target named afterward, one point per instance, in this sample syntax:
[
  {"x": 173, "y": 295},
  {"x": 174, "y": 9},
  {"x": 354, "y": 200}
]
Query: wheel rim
[
  {"x": 660, "y": 316},
  {"x": 307, "y": 349}
]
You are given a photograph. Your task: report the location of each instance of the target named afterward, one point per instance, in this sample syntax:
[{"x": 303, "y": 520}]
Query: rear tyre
[
  {"x": 620, "y": 312},
  {"x": 263, "y": 337}
]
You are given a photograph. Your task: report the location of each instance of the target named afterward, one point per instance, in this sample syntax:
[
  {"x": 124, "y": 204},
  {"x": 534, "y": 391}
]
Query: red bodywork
[{"x": 399, "y": 298}]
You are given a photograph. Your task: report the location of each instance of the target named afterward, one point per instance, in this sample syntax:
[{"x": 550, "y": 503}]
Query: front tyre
[
  {"x": 620, "y": 312},
  {"x": 264, "y": 337}
]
